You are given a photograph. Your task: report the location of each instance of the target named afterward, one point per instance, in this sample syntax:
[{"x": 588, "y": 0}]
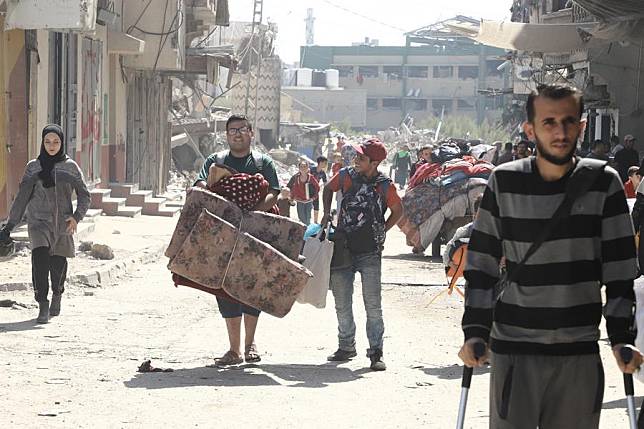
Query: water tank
[
  {"x": 332, "y": 79},
  {"x": 303, "y": 77},
  {"x": 319, "y": 78}
]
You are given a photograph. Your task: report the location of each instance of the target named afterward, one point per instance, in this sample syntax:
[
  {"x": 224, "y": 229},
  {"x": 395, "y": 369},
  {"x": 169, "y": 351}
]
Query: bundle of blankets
[
  {"x": 441, "y": 191},
  {"x": 220, "y": 247}
]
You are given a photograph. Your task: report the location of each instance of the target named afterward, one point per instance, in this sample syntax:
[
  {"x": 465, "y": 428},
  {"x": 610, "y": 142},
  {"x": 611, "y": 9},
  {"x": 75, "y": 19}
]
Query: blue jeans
[
  {"x": 304, "y": 212},
  {"x": 369, "y": 266}
]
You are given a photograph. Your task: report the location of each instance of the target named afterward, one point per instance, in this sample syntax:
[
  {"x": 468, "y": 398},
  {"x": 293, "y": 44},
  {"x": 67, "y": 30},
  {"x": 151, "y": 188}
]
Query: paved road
[{"x": 80, "y": 370}]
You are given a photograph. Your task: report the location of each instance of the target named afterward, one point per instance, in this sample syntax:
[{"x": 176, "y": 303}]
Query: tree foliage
[{"x": 465, "y": 127}]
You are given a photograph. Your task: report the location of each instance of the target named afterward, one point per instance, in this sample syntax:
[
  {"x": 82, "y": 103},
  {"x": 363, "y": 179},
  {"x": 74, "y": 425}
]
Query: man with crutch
[{"x": 563, "y": 226}]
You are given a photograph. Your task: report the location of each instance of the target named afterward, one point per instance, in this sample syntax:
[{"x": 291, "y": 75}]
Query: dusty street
[{"x": 80, "y": 370}]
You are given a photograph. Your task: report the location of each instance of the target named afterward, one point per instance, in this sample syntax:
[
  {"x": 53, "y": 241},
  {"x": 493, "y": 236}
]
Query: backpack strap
[
  {"x": 585, "y": 175},
  {"x": 258, "y": 160},
  {"x": 343, "y": 174}
]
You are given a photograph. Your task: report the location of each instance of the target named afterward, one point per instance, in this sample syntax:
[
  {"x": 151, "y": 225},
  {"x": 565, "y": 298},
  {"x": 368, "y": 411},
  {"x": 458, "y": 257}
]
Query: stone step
[
  {"x": 152, "y": 205},
  {"x": 172, "y": 195},
  {"x": 175, "y": 204},
  {"x": 123, "y": 190},
  {"x": 97, "y": 196},
  {"x": 167, "y": 211},
  {"x": 111, "y": 205},
  {"x": 128, "y": 211},
  {"x": 138, "y": 198},
  {"x": 92, "y": 215}
]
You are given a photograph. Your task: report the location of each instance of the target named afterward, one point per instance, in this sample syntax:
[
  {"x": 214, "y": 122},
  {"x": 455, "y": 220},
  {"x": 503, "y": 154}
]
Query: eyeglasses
[{"x": 241, "y": 130}]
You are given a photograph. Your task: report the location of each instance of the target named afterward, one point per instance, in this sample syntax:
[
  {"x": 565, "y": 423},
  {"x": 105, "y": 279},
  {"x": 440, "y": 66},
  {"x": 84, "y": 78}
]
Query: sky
[{"x": 354, "y": 20}]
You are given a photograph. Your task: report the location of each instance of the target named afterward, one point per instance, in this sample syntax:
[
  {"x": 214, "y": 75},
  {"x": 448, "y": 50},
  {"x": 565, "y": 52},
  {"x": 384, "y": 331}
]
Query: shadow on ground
[
  {"x": 25, "y": 325},
  {"x": 312, "y": 376},
  {"x": 451, "y": 372},
  {"x": 621, "y": 403},
  {"x": 415, "y": 257}
]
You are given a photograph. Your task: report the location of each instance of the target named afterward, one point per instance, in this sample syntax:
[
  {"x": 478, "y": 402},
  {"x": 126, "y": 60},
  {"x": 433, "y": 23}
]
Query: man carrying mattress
[{"x": 239, "y": 133}]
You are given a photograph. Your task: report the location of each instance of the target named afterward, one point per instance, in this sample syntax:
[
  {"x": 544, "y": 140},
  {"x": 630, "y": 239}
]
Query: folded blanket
[{"x": 243, "y": 189}]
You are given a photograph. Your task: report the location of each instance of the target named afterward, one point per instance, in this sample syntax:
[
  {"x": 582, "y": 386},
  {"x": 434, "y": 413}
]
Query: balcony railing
[{"x": 579, "y": 14}]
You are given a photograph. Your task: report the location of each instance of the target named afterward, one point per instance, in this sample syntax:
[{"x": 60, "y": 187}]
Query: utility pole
[
  {"x": 254, "y": 57},
  {"x": 310, "y": 30}
]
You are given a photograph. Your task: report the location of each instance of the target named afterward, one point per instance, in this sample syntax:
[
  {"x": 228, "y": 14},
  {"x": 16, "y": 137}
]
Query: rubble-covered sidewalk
[{"x": 132, "y": 241}]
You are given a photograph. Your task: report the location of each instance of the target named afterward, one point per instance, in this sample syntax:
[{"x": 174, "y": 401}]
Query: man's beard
[{"x": 557, "y": 160}]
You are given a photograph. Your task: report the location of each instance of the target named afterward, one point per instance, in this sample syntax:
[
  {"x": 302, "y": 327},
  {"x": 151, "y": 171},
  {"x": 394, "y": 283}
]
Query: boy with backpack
[{"x": 360, "y": 235}]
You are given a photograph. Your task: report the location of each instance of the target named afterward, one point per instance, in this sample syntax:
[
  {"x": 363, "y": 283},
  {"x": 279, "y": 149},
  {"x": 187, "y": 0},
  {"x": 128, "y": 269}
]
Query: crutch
[
  {"x": 627, "y": 355},
  {"x": 479, "y": 351}
]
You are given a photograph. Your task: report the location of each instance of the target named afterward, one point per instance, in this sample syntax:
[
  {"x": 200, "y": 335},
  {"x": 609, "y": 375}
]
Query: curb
[{"x": 106, "y": 275}]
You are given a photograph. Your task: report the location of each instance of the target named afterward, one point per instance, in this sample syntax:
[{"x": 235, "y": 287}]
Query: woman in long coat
[{"x": 45, "y": 192}]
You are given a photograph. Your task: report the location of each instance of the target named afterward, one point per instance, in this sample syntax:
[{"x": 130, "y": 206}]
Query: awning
[
  {"x": 124, "y": 44},
  {"x": 516, "y": 36}
]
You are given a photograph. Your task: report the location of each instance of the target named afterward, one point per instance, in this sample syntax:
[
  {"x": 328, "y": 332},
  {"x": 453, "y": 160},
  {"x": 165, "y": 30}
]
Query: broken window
[
  {"x": 391, "y": 103},
  {"x": 418, "y": 72},
  {"x": 368, "y": 71},
  {"x": 439, "y": 104},
  {"x": 345, "y": 71},
  {"x": 443, "y": 72},
  {"x": 417, "y": 105},
  {"x": 468, "y": 72},
  {"x": 392, "y": 72},
  {"x": 372, "y": 104}
]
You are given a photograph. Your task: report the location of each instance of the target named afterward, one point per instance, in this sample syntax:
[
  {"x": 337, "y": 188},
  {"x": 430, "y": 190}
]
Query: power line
[{"x": 365, "y": 17}]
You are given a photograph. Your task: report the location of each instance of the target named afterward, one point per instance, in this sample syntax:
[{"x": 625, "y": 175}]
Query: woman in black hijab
[{"x": 46, "y": 191}]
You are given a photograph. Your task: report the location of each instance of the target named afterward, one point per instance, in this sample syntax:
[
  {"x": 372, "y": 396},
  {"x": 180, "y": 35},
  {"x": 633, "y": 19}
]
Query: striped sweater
[{"x": 555, "y": 305}]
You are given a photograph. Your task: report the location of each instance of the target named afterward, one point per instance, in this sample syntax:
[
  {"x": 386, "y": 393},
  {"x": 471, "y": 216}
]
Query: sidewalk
[{"x": 134, "y": 241}]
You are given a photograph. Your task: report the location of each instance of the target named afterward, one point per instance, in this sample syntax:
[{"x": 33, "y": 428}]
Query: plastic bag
[
  {"x": 639, "y": 321},
  {"x": 318, "y": 251}
]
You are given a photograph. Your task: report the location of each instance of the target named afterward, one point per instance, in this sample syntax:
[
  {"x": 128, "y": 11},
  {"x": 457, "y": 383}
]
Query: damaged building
[
  {"x": 103, "y": 69},
  {"x": 437, "y": 71},
  {"x": 594, "y": 45}
]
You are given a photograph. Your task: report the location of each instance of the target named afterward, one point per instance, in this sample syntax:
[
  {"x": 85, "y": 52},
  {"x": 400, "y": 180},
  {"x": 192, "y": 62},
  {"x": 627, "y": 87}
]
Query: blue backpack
[{"x": 362, "y": 211}]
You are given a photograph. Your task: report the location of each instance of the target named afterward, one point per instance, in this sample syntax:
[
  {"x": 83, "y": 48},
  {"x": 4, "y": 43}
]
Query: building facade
[
  {"x": 101, "y": 69},
  {"x": 427, "y": 77},
  {"x": 609, "y": 70}
]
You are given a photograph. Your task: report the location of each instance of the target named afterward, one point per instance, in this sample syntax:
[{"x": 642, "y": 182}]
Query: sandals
[
  {"x": 251, "y": 355},
  {"x": 230, "y": 358}
]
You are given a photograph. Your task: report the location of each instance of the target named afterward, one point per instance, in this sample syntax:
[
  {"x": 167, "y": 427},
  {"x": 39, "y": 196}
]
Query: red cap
[{"x": 372, "y": 148}]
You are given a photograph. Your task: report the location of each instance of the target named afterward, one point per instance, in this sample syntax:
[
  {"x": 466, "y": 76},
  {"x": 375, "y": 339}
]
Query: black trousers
[{"x": 44, "y": 265}]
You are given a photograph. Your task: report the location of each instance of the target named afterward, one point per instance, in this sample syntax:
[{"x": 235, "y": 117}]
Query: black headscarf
[{"x": 47, "y": 161}]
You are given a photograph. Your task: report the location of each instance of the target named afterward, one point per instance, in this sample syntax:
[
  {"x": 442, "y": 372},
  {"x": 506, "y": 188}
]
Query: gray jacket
[{"x": 48, "y": 208}]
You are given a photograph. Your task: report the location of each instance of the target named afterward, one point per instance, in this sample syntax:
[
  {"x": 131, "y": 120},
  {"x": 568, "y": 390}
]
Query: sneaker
[
  {"x": 377, "y": 364},
  {"x": 342, "y": 355}
]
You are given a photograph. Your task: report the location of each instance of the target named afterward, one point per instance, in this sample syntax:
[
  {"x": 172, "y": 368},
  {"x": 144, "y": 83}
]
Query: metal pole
[
  {"x": 627, "y": 355},
  {"x": 257, "y": 78}
]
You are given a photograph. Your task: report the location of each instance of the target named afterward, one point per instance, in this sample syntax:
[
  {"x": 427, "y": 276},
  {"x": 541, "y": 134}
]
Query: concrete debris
[
  {"x": 85, "y": 246},
  {"x": 101, "y": 251},
  {"x": 146, "y": 366}
]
